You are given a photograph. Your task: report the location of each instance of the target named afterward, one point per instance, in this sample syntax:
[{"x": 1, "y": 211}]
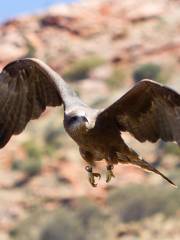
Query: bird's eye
[
  {"x": 73, "y": 119},
  {"x": 77, "y": 118}
]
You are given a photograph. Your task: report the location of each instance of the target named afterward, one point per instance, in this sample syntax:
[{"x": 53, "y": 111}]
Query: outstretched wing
[
  {"x": 27, "y": 86},
  {"x": 149, "y": 111}
]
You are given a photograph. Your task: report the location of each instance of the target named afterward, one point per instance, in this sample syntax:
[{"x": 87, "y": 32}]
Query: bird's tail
[{"x": 135, "y": 159}]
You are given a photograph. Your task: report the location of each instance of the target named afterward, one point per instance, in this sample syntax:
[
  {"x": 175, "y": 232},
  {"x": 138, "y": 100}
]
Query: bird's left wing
[
  {"x": 149, "y": 111},
  {"x": 27, "y": 86}
]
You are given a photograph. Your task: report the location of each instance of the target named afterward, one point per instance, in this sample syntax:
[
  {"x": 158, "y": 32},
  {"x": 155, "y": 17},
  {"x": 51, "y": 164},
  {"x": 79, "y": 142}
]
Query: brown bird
[{"x": 149, "y": 111}]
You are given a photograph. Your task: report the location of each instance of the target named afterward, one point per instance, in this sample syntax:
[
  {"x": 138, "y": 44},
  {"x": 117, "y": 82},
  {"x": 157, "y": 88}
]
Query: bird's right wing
[{"x": 27, "y": 86}]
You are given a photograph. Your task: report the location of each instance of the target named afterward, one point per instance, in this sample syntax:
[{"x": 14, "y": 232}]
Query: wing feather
[
  {"x": 26, "y": 88},
  {"x": 149, "y": 111},
  {"x": 7, "y": 113}
]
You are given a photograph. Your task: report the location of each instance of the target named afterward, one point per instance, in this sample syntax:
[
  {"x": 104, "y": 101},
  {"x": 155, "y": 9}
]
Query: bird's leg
[
  {"x": 110, "y": 159},
  {"x": 92, "y": 175},
  {"x": 109, "y": 173}
]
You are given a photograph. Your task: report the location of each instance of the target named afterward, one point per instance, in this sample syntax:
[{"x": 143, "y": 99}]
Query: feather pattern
[
  {"x": 149, "y": 111},
  {"x": 27, "y": 86}
]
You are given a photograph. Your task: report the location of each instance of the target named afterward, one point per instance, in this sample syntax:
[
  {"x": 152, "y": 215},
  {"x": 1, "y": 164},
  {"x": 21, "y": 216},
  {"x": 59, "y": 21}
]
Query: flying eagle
[{"x": 148, "y": 111}]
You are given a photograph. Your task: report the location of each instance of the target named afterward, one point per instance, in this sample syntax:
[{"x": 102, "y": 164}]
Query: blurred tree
[
  {"x": 80, "y": 69},
  {"x": 148, "y": 70}
]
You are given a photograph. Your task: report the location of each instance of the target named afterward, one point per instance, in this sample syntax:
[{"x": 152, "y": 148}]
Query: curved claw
[
  {"x": 92, "y": 175},
  {"x": 93, "y": 184},
  {"x": 92, "y": 178},
  {"x": 97, "y": 175},
  {"x": 109, "y": 175}
]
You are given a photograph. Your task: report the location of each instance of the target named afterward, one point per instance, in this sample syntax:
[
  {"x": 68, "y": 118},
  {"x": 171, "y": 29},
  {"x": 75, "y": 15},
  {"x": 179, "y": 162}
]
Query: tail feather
[
  {"x": 134, "y": 159},
  {"x": 147, "y": 166}
]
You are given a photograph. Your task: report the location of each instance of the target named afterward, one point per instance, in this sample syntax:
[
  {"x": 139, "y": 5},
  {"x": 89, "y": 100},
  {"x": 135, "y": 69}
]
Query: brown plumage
[{"x": 149, "y": 111}]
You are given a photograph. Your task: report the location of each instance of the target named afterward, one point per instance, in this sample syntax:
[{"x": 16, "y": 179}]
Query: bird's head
[{"x": 76, "y": 121}]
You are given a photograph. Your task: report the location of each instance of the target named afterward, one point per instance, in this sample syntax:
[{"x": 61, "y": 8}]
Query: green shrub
[
  {"x": 29, "y": 229},
  {"x": 172, "y": 149},
  {"x": 31, "y": 50},
  {"x": 32, "y": 149},
  {"x": 32, "y": 165},
  {"x": 16, "y": 164},
  {"x": 116, "y": 79},
  {"x": 98, "y": 103},
  {"x": 94, "y": 220},
  {"x": 84, "y": 221},
  {"x": 64, "y": 226},
  {"x": 80, "y": 69},
  {"x": 53, "y": 138},
  {"x": 148, "y": 70},
  {"x": 133, "y": 203}
]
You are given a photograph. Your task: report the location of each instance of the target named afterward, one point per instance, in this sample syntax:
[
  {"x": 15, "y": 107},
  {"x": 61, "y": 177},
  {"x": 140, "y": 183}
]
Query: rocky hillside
[{"x": 99, "y": 46}]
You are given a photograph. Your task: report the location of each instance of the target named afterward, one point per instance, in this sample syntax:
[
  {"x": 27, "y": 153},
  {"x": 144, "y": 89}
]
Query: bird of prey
[{"x": 148, "y": 111}]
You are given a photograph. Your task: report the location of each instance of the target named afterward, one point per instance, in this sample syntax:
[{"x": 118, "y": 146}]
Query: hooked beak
[{"x": 83, "y": 119}]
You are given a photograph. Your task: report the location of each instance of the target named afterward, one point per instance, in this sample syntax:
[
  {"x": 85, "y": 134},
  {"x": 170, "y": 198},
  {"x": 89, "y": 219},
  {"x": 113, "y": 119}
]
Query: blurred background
[{"x": 101, "y": 47}]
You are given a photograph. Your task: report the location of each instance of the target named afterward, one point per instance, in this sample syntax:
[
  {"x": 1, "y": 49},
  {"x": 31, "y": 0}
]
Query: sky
[{"x": 13, "y": 8}]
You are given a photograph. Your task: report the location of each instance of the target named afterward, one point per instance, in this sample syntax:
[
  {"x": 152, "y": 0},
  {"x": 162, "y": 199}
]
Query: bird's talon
[
  {"x": 109, "y": 174},
  {"x": 94, "y": 184},
  {"x": 97, "y": 175},
  {"x": 92, "y": 176}
]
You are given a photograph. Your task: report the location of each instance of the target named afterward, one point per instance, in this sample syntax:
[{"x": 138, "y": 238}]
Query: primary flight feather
[{"x": 149, "y": 111}]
